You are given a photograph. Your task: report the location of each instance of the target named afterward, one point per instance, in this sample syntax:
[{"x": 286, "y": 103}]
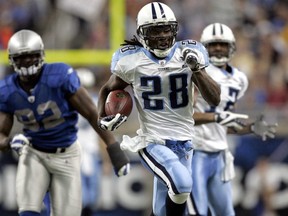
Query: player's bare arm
[
  {"x": 203, "y": 118},
  {"x": 208, "y": 88},
  {"x": 259, "y": 127},
  {"x": 6, "y": 123},
  {"x": 245, "y": 130},
  {"x": 84, "y": 104}
]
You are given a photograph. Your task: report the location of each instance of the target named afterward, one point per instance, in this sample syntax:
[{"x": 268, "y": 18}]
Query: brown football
[{"x": 118, "y": 101}]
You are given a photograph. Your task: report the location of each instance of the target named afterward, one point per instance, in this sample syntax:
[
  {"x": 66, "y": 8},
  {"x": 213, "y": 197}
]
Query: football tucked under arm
[
  {"x": 118, "y": 101},
  {"x": 118, "y": 107}
]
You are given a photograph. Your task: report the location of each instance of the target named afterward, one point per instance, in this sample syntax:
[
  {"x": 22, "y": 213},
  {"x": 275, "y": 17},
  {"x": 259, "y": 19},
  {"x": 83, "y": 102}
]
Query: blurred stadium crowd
[{"x": 260, "y": 26}]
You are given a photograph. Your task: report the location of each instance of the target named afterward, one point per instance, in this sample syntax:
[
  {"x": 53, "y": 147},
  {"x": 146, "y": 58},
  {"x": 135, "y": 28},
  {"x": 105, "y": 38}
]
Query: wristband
[{"x": 117, "y": 156}]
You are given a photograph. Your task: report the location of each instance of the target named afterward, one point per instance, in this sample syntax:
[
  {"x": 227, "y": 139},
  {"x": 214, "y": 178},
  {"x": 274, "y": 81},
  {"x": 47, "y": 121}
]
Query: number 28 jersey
[{"x": 162, "y": 88}]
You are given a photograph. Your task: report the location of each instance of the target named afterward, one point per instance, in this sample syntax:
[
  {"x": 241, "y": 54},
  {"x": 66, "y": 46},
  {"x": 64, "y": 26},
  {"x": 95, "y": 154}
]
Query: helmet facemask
[
  {"x": 158, "y": 38},
  {"x": 31, "y": 69},
  {"x": 220, "y": 58}
]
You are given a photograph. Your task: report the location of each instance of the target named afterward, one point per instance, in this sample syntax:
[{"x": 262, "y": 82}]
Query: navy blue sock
[
  {"x": 173, "y": 209},
  {"x": 47, "y": 203},
  {"x": 29, "y": 213}
]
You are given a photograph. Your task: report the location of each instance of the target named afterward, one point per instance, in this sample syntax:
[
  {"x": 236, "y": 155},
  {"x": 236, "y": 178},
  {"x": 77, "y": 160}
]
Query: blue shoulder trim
[
  {"x": 55, "y": 74},
  {"x": 6, "y": 86}
]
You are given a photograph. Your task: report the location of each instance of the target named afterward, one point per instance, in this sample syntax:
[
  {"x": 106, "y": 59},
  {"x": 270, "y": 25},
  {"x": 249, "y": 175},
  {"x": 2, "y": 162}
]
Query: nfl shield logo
[{"x": 31, "y": 99}]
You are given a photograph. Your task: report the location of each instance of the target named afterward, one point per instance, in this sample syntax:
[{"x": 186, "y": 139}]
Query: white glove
[
  {"x": 261, "y": 128},
  {"x": 124, "y": 170},
  {"x": 112, "y": 122},
  {"x": 17, "y": 143},
  {"x": 230, "y": 119},
  {"x": 190, "y": 57}
]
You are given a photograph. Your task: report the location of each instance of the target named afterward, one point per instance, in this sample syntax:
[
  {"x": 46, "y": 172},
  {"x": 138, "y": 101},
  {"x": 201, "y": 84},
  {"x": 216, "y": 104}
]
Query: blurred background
[{"x": 85, "y": 34}]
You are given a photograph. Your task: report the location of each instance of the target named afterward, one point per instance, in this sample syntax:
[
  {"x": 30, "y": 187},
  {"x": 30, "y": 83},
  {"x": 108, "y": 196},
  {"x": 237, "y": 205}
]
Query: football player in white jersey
[
  {"x": 213, "y": 166},
  {"x": 162, "y": 73}
]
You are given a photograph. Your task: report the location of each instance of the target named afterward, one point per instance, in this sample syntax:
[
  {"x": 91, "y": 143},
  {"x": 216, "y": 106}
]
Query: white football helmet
[
  {"x": 26, "y": 42},
  {"x": 218, "y": 32},
  {"x": 156, "y": 14}
]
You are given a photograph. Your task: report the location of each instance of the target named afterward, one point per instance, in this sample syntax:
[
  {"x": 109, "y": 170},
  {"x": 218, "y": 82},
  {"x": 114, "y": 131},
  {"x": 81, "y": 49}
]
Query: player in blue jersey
[
  {"x": 212, "y": 164},
  {"x": 46, "y": 99},
  {"x": 163, "y": 74}
]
